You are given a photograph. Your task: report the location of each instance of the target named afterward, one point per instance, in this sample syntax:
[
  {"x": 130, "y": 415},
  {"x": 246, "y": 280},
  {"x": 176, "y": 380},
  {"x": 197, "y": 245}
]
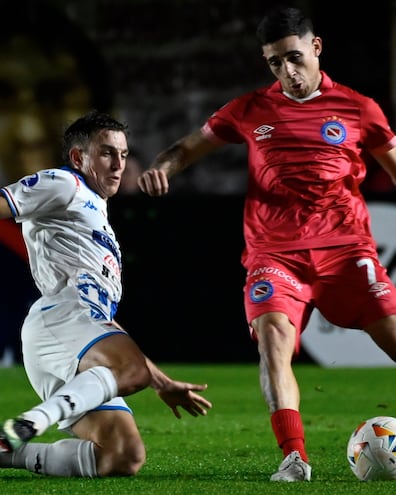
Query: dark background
[{"x": 183, "y": 279}]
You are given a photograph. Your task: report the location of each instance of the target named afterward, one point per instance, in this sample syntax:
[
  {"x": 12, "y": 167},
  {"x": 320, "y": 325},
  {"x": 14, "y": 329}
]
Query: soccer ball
[{"x": 371, "y": 450}]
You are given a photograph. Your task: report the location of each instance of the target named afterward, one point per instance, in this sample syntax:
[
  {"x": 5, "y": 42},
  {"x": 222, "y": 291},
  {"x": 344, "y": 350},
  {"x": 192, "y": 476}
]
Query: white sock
[
  {"x": 69, "y": 457},
  {"x": 84, "y": 392}
]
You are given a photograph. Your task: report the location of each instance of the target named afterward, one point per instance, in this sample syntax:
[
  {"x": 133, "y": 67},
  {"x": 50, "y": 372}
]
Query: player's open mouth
[{"x": 296, "y": 86}]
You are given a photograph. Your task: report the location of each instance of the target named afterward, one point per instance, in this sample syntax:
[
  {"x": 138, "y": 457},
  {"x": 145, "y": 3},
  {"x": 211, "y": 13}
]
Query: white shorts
[{"x": 56, "y": 333}]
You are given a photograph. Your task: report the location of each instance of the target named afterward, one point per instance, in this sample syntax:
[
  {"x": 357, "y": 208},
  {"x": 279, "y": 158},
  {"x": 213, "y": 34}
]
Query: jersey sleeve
[
  {"x": 36, "y": 195},
  {"x": 223, "y": 125},
  {"x": 376, "y": 132}
]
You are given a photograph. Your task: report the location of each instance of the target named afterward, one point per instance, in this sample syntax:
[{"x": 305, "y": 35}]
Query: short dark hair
[
  {"x": 83, "y": 129},
  {"x": 282, "y": 22}
]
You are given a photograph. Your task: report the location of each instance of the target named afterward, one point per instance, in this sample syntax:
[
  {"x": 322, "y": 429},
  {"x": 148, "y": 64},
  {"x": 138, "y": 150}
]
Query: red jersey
[{"x": 305, "y": 164}]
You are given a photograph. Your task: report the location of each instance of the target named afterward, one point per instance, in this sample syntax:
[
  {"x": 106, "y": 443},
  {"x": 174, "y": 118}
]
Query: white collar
[{"x": 307, "y": 98}]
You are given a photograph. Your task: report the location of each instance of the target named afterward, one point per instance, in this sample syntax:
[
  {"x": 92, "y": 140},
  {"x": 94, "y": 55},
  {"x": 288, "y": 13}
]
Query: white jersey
[{"x": 68, "y": 238}]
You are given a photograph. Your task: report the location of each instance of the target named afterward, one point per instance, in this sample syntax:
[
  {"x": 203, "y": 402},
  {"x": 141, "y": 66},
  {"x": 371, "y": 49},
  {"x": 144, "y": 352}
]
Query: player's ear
[
  {"x": 317, "y": 45},
  {"x": 75, "y": 155}
]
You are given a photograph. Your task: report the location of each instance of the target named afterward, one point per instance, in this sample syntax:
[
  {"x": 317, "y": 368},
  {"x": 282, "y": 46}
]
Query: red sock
[{"x": 289, "y": 431}]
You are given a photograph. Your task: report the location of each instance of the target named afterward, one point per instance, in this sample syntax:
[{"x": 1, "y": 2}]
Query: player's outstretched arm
[{"x": 181, "y": 154}]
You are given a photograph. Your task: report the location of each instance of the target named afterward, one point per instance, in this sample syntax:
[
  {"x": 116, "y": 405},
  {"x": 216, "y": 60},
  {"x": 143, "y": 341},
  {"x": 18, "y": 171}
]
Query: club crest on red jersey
[
  {"x": 333, "y": 132},
  {"x": 261, "y": 291}
]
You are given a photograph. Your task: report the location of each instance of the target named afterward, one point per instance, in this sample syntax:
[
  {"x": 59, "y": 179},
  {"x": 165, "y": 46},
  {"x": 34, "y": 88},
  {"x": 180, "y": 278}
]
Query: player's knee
[
  {"x": 271, "y": 326},
  {"x": 121, "y": 462},
  {"x": 131, "y": 461}
]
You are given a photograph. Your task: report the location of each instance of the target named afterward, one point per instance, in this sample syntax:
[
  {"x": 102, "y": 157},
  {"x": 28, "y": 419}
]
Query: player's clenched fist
[{"x": 154, "y": 182}]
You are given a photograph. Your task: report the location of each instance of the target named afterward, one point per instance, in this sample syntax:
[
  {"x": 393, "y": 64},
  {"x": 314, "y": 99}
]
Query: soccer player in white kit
[{"x": 77, "y": 358}]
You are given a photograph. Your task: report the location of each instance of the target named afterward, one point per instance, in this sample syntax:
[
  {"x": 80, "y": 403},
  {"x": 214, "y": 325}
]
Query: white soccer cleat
[{"x": 293, "y": 468}]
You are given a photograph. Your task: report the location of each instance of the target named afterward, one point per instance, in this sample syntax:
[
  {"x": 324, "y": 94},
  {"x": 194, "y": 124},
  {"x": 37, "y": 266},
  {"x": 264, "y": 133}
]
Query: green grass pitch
[{"x": 231, "y": 451}]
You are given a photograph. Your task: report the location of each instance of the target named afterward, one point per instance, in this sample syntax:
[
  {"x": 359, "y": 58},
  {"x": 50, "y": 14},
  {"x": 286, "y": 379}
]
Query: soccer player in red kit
[{"x": 307, "y": 232}]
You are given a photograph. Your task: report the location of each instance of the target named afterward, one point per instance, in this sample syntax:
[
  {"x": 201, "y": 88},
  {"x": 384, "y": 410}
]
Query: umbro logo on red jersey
[{"x": 264, "y": 132}]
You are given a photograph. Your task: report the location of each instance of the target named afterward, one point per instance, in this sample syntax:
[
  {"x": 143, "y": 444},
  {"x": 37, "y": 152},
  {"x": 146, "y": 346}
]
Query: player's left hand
[{"x": 180, "y": 394}]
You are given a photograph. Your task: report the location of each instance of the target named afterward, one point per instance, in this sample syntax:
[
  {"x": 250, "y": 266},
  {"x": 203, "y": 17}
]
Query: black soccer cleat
[{"x": 14, "y": 433}]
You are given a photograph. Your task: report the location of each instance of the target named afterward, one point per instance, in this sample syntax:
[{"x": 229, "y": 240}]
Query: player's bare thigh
[
  {"x": 383, "y": 332},
  {"x": 120, "y": 353},
  {"x": 119, "y": 447}
]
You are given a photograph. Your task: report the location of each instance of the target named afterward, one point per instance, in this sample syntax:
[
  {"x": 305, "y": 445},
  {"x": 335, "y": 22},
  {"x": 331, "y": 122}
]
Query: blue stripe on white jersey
[{"x": 11, "y": 203}]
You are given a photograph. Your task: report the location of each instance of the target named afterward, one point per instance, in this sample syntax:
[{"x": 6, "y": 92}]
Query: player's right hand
[{"x": 153, "y": 182}]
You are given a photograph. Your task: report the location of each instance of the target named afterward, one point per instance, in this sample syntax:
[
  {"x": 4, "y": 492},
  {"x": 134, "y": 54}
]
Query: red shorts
[{"x": 347, "y": 284}]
